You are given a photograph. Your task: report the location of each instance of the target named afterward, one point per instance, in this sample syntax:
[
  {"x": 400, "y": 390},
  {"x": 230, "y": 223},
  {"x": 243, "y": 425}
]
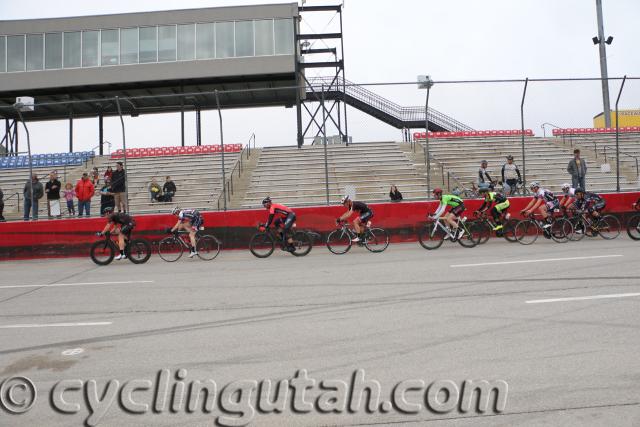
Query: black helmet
[
  {"x": 509, "y": 157},
  {"x": 266, "y": 200},
  {"x": 107, "y": 209},
  {"x": 579, "y": 191}
]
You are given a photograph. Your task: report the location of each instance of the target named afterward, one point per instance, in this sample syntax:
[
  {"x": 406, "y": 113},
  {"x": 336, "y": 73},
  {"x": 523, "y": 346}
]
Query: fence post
[
  {"x": 324, "y": 136},
  {"x": 524, "y": 159},
  {"x": 224, "y": 188},
  {"x": 624, "y": 79},
  {"x": 24, "y": 125},
  {"x": 426, "y": 136}
]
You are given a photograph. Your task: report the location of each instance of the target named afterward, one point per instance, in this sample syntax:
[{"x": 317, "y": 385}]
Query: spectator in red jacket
[{"x": 84, "y": 193}]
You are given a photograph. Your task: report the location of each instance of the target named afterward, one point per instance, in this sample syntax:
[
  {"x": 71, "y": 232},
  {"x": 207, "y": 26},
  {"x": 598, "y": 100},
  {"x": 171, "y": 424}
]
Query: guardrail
[{"x": 239, "y": 167}]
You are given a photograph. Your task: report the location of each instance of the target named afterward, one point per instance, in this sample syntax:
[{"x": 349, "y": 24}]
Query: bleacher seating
[
  {"x": 46, "y": 160},
  {"x": 591, "y": 131},
  {"x": 417, "y": 136},
  {"x": 175, "y": 151}
]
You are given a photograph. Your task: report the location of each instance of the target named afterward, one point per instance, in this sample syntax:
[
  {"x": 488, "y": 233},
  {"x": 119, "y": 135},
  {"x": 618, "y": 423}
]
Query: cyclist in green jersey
[
  {"x": 451, "y": 217},
  {"x": 500, "y": 206}
]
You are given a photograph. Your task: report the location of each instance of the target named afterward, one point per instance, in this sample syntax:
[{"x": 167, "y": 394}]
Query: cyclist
[
  {"x": 190, "y": 221},
  {"x": 500, "y": 206},
  {"x": 364, "y": 215},
  {"x": 568, "y": 195},
  {"x": 450, "y": 218},
  {"x": 589, "y": 202},
  {"x": 544, "y": 202},
  {"x": 121, "y": 224},
  {"x": 285, "y": 217}
]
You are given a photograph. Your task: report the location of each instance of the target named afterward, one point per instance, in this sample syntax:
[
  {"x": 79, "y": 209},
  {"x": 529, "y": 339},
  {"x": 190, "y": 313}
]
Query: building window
[
  {"x": 109, "y": 47},
  {"x": 284, "y": 36},
  {"x": 244, "y": 38},
  {"x": 53, "y": 51},
  {"x": 129, "y": 46},
  {"x": 35, "y": 52},
  {"x": 148, "y": 44},
  {"x": 15, "y": 53},
  {"x": 90, "y": 48},
  {"x": 224, "y": 40},
  {"x": 264, "y": 37},
  {"x": 186, "y": 42},
  {"x": 166, "y": 43},
  {"x": 205, "y": 48},
  {"x": 72, "y": 46},
  {"x": 3, "y": 54}
]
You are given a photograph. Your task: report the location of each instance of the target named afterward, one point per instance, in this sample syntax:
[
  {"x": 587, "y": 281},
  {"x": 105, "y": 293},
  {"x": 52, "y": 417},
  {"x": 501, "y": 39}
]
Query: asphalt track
[{"x": 450, "y": 314}]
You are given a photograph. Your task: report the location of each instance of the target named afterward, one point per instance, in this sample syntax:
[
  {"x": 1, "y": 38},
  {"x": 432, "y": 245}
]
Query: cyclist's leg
[
  {"x": 356, "y": 225},
  {"x": 288, "y": 223}
]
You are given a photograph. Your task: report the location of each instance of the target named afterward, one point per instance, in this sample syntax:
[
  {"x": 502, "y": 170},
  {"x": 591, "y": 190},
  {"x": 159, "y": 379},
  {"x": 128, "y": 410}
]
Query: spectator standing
[
  {"x": 1, "y": 205},
  {"x": 95, "y": 176},
  {"x": 510, "y": 176},
  {"x": 106, "y": 196},
  {"x": 68, "y": 194},
  {"x": 52, "y": 189},
  {"x": 394, "y": 194},
  {"x": 38, "y": 192},
  {"x": 108, "y": 173},
  {"x": 84, "y": 193},
  {"x": 577, "y": 168},
  {"x": 169, "y": 190},
  {"x": 154, "y": 190},
  {"x": 118, "y": 187},
  {"x": 483, "y": 175}
]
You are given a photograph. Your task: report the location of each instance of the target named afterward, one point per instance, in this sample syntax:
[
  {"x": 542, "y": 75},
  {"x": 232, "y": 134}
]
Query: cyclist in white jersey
[{"x": 544, "y": 202}]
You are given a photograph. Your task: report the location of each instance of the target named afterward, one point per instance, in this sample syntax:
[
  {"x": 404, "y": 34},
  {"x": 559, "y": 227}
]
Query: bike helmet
[
  {"x": 579, "y": 191},
  {"x": 484, "y": 162},
  {"x": 534, "y": 184},
  {"x": 175, "y": 211},
  {"x": 566, "y": 187},
  {"x": 437, "y": 191},
  {"x": 107, "y": 209},
  {"x": 344, "y": 200},
  {"x": 266, "y": 200},
  {"x": 483, "y": 188}
]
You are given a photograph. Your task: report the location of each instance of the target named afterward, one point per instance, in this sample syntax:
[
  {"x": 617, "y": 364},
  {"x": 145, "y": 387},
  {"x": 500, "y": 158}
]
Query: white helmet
[
  {"x": 175, "y": 211},
  {"x": 566, "y": 187},
  {"x": 344, "y": 199},
  {"x": 534, "y": 184}
]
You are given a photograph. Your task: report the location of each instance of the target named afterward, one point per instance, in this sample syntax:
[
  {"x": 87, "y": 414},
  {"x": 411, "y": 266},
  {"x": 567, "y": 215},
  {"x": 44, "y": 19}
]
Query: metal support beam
[
  {"x": 101, "y": 134},
  {"x": 314, "y": 51},
  {"x": 603, "y": 66},
  {"x": 198, "y": 128},
  {"x": 618, "y": 136},
  {"x": 524, "y": 158},
  {"x": 182, "y": 123},
  {"x": 328, "y": 64},
  {"x": 319, "y": 36},
  {"x": 71, "y": 131}
]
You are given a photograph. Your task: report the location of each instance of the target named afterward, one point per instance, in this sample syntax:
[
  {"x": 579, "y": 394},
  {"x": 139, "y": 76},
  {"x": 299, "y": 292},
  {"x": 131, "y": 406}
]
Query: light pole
[
  {"x": 425, "y": 82},
  {"x": 601, "y": 42}
]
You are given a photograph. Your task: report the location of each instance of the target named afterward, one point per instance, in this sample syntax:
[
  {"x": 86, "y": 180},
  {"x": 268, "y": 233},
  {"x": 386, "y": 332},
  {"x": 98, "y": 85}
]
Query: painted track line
[
  {"x": 530, "y": 261},
  {"x": 57, "y": 285},
  {"x": 54, "y": 325},
  {"x": 585, "y": 298}
]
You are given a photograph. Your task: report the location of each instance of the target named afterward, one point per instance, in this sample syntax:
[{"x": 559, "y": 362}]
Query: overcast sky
[{"x": 394, "y": 41}]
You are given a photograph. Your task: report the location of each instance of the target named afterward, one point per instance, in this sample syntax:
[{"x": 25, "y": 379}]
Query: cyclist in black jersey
[
  {"x": 364, "y": 214},
  {"x": 590, "y": 202},
  {"x": 121, "y": 224}
]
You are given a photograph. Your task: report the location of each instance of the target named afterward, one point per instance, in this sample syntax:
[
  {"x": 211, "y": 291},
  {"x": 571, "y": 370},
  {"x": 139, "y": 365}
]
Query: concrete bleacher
[
  {"x": 296, "y": 176},
  {"x": 546, "y": 161}
]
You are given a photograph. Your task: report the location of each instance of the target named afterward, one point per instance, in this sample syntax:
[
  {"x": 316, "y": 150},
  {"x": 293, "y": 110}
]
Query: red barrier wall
[{"x": 73, "y": 237}]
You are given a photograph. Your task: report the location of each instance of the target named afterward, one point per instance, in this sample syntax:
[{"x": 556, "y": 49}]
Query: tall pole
[
  {"x": 124, "y": 157},
  {"x": 427, "y": 155},
  {"x": 324, "y": 137},
  {"x": 224, "y": 183},
  {"x": 34, "y": 211},
  {"x": 70, "y": 131},
  {"x": 101, "y": 134},
  {"x": 524, "y": 158},
  {"x": 603, "y": 67},
  {"x": 618, "y": 137}
]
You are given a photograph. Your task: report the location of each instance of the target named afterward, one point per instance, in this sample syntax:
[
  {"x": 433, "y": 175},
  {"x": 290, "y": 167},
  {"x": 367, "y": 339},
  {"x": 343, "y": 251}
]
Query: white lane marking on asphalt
[
  {"x": 54, "y": 325},
  {"x": 73, "y": 352},
  {"x": 540, "y": 301},
  {"x": 528, "y": 261},
  {"x": 56, "y": 285}
]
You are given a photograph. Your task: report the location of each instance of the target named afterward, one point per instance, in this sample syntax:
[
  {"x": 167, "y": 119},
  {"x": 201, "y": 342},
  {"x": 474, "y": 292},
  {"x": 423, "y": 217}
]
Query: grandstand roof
[{"x": 147, "y": 54}]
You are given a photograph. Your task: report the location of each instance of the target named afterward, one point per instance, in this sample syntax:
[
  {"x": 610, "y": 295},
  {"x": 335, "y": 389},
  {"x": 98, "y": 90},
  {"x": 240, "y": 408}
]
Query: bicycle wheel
[
  {"x": 482, "y": 231},
  {"x": 526, "y": 232},
  {"x": 170, "y": 249},
  {"x": 431, "y": 237},
  {"x": 339, "y": 242},
  {"x": 262, "y": 245},
  {"x": 467, "y": 239},
  {"x": 138, "y": 251},
  {"x": 509, "y": 230},
  {"x": 561, "y": 230},
  {"x": 102, "y": 252},
  {"x": 208, "y": 247},
  {"x": 633, "y": 227},
  {"x": 578, "y": 229},
  {"x": 608, "y": 227},
  {"x": 376, "y": 240},
  {"x": 302, "y": 243}
]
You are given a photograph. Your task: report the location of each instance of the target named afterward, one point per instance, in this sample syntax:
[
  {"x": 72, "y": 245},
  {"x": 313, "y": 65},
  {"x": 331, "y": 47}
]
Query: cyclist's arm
[
  {"x": 502, "y": 173},
  {"x": 269, "y": 220},
  {"x": 519, "y": 176},
  {"x": 346, "y": 215},
  {"x": 440, "y": 210},
  {"x": 530, "y": 205},
  {"x": 485, "y": 205},
  {"x": 109, "y": 225},
  {"x": 537, "y": 204},
  {"x": 175, "y": 227}
]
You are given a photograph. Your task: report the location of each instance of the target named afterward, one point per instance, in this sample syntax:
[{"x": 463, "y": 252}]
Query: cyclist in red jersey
[{"x": 283, "y": 216}]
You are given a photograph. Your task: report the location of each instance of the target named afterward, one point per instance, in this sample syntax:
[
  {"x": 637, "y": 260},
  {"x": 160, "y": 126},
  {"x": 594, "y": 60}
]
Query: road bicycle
[
  {"x": 528, "y": 230},
  {"x": 263, "y": 243},
  {"x": 516, "y": 190},
  {"x": 607, "y": 226},
  {"x": 172, "y": 247},
  {"x": 339, "y": 241},
  {"x": 435, "y": 233},
  {"x": 484, "y": 227},
  {"x": 102, "y": 252},
  {"x": 633, "y": 224}
]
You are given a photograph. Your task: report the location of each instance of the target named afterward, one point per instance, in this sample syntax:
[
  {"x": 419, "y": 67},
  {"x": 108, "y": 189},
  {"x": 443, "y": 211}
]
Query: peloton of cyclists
[
  {"x": 121, "y": 224},
  {"x": 500, "y": 206},
  {"x": 190, "y": 221},
  {"x": 364, "y": 215},
  {"x": 545, "y": 202},
  {"x": 451, "y": 217},
  {"x": 283, "y": 216}
]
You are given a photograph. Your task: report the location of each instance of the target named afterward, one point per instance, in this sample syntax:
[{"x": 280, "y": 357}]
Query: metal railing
[
  {"x": 400, "y": 113},
  {"x": 584, "y": 141},
  {"x": 239, "y": 168}
]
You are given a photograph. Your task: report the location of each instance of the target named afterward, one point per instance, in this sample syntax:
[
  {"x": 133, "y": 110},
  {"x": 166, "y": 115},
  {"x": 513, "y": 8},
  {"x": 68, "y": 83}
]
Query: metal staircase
[{"x": 339, "y": 89}]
